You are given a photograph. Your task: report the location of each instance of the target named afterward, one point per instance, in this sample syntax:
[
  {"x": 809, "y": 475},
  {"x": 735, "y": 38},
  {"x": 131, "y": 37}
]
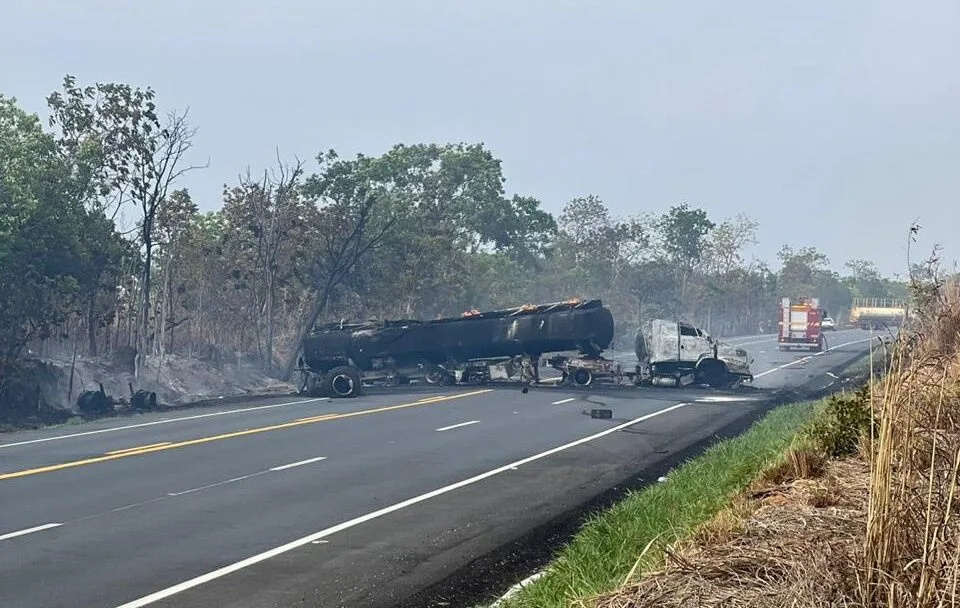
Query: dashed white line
[
  {"x": 219, "y": 483},
  {"x": 457, "y": 426},
  {"x": 564, "y": 401},
  {"x": 28, "y": 531},
  {"x": 281, "y": 467},
  {"x": 284, "y": 467},
  {"x": 164, "y": 421},
  {"x": 306, "y": 540}
]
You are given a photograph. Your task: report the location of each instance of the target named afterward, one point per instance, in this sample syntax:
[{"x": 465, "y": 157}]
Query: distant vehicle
[
  {"x": 827, "y": 324},
  {"x": 876, "y": 313},
  {"x": 800, "y": 324}
]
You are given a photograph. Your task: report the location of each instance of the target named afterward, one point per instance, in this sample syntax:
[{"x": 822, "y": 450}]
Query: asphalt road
[{"x": 384, "y": 500}]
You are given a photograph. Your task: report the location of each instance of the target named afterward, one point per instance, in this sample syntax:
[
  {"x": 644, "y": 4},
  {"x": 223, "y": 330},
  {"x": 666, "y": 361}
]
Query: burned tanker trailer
[{"x": 336, "y": 358}]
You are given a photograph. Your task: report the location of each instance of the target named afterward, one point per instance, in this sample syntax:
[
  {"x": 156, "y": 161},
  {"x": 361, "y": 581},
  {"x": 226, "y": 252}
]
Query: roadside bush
[{"x": 844, "y": 420}]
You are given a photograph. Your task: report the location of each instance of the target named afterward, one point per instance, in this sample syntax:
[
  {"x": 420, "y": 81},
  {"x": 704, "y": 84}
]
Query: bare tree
[
  {"x": 348, "y": 229},
  {"x": 275, "y": 206},
  {"x": 157, "y": 163}
]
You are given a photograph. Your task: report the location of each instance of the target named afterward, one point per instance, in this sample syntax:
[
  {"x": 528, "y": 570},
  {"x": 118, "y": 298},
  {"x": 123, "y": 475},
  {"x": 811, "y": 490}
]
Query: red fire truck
[{"x": 800, "y": 324}]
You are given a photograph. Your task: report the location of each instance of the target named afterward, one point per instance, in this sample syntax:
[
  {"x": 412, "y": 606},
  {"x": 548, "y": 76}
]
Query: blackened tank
[{"x": 584, "y": 326}]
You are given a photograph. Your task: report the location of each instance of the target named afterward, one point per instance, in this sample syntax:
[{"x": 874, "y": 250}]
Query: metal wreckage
[{"x": 512, "y": 344}]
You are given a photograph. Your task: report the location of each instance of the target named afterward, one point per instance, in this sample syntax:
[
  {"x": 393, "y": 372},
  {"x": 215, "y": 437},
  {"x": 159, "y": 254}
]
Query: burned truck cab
[{"x": 674, "y": 354}]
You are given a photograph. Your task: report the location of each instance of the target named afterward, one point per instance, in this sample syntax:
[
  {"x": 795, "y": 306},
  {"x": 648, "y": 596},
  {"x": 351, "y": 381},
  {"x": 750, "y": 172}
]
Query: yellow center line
[
  {"x": 182, "y": 444},
  {"x": 317, "y": 418},
  {"x": 139, "y": 447}
]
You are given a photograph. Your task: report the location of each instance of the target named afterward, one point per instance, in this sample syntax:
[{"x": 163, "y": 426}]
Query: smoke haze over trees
[{"x": 419, "y": 230}]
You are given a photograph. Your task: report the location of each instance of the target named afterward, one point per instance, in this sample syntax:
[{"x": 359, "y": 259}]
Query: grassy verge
[{"x": 605, "y": 552}]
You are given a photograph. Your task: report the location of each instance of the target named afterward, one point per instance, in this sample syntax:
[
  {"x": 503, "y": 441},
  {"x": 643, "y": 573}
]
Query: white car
[{"x": 828, "y": 325}]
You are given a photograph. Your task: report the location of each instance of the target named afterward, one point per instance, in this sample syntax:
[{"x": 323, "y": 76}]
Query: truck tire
[
  {"x": 582, "y": 377},
  {"x": 714, "y": 374},
  {"x": 434, "y": 374},
  {"x": 343, "y": 382}
]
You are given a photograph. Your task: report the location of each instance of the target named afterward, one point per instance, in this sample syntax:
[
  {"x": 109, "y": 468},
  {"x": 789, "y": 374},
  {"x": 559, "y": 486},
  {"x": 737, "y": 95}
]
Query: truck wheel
[
  {"x": 434, "y": 375},
  {"x": 713, "y": 373},
  {"x": 582, "y": 377},
  {"x": 343, "y": 381}
]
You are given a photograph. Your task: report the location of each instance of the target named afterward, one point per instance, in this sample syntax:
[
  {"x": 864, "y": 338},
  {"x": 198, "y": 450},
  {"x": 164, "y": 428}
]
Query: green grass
[{"x": 605, "y": 550}]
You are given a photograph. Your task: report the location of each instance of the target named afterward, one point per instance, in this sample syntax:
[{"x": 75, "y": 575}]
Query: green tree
[
  {"x": 39, "y": 243},
  {"x": 347, "y": 219},
  {"x": 683, "y": 233},
  {"x": 129, "y": 154},
  {"x": 806, "y": 272}
]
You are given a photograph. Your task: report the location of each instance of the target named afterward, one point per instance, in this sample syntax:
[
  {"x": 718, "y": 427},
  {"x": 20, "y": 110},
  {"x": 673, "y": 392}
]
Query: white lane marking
[
  {"x": 564, "y": 401},
  {"x": 512, "y": 591},
  {"x": 306, "y": 540},
  {"x": 164, "y": 421},
  {"x": 284, "y": 467},
  {"x": 219, "y": 483},
  {"x": 29, "y": 531},
  {"x": 724, "y": 399},
  {"x": 457, "y": 426},
  {"x": 808, "y": 357}
]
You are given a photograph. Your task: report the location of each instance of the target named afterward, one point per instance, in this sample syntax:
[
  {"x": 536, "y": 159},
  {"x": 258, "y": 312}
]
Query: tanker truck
[{"x": 337, "y": 358}]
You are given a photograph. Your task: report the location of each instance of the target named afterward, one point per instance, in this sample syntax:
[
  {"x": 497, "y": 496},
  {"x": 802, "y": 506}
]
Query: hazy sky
[{"x": 834, "y": 124}]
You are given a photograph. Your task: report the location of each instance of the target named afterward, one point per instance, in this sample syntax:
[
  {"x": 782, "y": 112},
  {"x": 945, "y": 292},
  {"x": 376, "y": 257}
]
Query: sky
[{"x": 834, "y": 125}]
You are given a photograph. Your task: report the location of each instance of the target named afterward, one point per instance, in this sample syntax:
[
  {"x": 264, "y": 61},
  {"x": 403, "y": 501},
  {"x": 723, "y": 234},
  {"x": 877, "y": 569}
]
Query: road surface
[{"x": 373, "y": 501}]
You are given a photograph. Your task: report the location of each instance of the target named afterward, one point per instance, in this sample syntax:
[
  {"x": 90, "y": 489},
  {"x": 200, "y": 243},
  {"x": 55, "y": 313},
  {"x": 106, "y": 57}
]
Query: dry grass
[
  {"x": 913, "y": 537},
  {"x": 880, "y": 528},
  {"x": 796, "y": 545}
]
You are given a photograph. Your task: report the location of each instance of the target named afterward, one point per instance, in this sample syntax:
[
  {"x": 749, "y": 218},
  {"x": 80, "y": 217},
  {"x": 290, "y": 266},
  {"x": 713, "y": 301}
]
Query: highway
[{"x": 383, "y": 500}]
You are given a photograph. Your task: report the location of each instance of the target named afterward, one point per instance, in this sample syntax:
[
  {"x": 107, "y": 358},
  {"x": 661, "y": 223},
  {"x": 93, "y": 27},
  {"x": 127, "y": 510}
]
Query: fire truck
[{"x": 800, "y": 324}]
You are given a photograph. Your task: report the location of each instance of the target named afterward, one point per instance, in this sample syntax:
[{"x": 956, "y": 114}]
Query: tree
[
  {"x": 593, "y": 248},
  {"x": 172, "y": 226},
  {"x": 683, "y": 234},
  {"x": 347, "y": 220},
  {"x": 268, "y": 220},
  {"x": 34, "y": 285},
  {"x": 806, "y": 272},
  {"x": 726, "y": 242},
  {"x": 129, "y": 154},
  {"x": 100, "y": 253}
]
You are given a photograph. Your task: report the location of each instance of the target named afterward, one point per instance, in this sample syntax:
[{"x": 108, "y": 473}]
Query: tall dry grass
[{"x": 912, "y": 545}]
